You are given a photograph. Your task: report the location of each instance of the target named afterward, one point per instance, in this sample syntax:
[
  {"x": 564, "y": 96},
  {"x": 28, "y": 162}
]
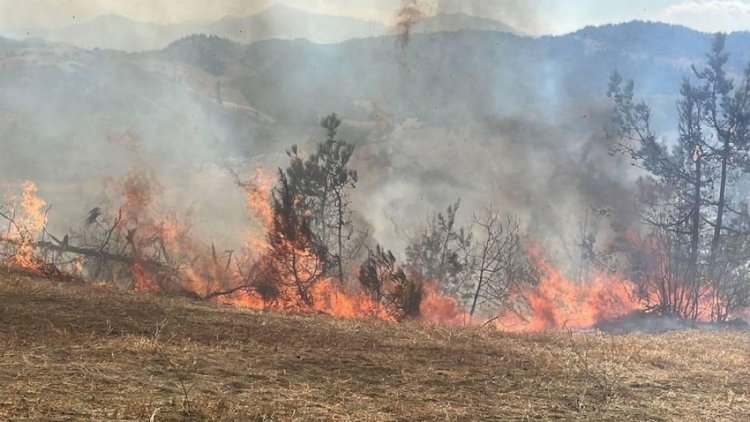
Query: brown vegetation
[{"x": 73, "y": 352}]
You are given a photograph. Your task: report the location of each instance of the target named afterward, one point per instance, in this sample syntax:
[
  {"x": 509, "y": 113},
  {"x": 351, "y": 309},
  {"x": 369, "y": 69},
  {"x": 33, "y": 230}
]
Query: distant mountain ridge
[
  {"x": 481, "y": 72},
  {"x": 445, "y": 115},
  {"x": 278, "y": 22}
]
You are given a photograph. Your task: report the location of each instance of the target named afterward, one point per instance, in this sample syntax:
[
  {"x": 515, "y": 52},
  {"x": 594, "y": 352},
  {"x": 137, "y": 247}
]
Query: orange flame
[
  {"x": 559, "y": 303},
  {"x": 258, "y": 196},
  {"x": 29, "y": 221},
  {"x": 556, "y": 303},
  {"x": 329, "y": 298},
  {"x": 436, "y": 308}
]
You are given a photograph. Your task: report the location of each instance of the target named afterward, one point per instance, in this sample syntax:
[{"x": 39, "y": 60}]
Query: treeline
[
  {"x": 311, "y": 242},
  {"x": 694, "y": 262},
  {"x": 312, "y": 236}
]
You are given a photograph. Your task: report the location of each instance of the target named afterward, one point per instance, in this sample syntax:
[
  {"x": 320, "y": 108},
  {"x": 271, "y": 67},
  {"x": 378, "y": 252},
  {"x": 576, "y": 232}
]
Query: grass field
[{"x": 77, "y": 352}]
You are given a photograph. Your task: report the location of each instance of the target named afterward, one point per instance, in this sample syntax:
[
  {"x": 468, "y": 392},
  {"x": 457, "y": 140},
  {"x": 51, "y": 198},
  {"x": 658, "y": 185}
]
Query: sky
[{"x": 536, "y": 17}]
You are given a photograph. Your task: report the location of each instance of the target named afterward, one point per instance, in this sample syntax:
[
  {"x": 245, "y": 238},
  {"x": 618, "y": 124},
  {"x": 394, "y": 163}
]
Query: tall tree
[
  {"x": 323, "y": 180},
  {"x": 683, "y": 201}
]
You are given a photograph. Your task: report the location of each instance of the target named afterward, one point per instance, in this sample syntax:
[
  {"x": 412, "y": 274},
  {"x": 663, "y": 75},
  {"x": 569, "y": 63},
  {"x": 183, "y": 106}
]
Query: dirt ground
[{"x": 80, "y": 352}]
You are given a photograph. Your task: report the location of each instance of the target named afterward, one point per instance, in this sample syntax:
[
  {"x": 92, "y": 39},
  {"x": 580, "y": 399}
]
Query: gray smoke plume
[
  {"x": 407, "y": 17},
  {"x": 484, "y": 116}
]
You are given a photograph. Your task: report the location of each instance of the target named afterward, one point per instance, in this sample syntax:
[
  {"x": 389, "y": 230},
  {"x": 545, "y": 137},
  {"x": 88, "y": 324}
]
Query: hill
[
  {"x": 72, "y": 352},
  {"x": 277, "y": 22},
  {"x": 453, "y": 76},
  {"x": 205, "y": 101}
]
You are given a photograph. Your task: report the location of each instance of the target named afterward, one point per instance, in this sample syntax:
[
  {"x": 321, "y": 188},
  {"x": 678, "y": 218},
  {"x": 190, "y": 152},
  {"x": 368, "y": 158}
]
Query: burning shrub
[
  {"x": 443, "y": 252},
  {"x": 297, "y": 259},
  {"x": 387, "y": 283},
  {"x": 407, "y": 296},
  {"x": 26, "y": 219}
]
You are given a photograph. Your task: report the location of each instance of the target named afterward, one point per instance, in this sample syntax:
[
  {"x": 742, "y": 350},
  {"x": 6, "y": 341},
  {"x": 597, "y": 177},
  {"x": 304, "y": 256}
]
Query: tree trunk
[
  {"x": 692, "y": 275},
  {"x": 340, "y": 236}
]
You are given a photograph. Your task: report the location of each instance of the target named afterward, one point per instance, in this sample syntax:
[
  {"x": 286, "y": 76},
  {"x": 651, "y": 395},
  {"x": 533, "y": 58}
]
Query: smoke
[
  {"x": 641, "y": 322},
  {"x": 407, "y": 16},
  {"x": 467, "y": 121},
  {"x": 548, "y": 172}
]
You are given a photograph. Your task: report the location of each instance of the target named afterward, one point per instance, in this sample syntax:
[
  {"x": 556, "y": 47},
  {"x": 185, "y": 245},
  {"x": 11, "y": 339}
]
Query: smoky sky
[
  {"x": 64, "y": 111},
  {"x": 538, "y": 17}
]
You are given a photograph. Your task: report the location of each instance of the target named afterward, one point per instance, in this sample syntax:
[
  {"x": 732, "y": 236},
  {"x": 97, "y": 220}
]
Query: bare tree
[
  {"x": 500, "y": 261},
  {"x": 659, "y": 267}
]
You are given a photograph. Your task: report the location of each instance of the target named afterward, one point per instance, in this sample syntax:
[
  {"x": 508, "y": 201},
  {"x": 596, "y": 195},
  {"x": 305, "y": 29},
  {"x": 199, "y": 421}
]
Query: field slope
[{"x": 77, "y": 352}]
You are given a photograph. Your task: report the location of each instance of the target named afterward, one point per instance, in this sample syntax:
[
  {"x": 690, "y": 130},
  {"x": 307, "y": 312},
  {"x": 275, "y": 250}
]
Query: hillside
[
  {"x": 206, "y": 101},
  {"x": 480, "y": 74},
  {"x": 277, "y": 22},
  {"x": 74, "y": 352}
]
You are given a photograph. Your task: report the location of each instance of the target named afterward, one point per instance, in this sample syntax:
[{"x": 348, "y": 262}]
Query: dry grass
[{"x": 76, "y": 352}]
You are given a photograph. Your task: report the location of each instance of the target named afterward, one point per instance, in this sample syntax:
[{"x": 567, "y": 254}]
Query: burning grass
[{"x": 73, "y": 351}]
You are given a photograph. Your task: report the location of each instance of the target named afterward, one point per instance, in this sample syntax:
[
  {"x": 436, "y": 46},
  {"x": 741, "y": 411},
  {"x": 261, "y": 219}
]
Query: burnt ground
[{"x": 79, "y": 352}]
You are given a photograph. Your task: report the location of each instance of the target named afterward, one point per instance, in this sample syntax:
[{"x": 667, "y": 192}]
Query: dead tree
[{"x": 501, "y": 262}]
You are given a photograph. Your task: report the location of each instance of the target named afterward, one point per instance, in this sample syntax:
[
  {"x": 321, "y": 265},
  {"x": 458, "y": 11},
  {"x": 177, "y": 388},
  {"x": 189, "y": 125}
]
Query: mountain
[
  {"x": 481, "y": 115},
  {"x": 461, "y": 22},
  {"x": 281, "y": 22},
  {"x": 452, "y": 75},
  {"x": 278, "y": 22},
  {"x": 114, "y": 32}
]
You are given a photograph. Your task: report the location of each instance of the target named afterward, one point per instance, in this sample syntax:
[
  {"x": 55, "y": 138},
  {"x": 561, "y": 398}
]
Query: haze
[{"x": 534, "y": 17}]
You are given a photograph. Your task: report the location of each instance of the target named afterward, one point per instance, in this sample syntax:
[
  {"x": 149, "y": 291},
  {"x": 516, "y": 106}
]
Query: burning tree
[
  {"x": 386, "y": 282},
  {"x": 500, "y": 263},
  {"x": 443, "y": 253},
  {"x": 704, "y": 229},
  {"x": 322, "y": 181},
  {"x": 25, "y": 222},
  {"x": 297, "y": 259},
  {"x": 133, "y": 243}
]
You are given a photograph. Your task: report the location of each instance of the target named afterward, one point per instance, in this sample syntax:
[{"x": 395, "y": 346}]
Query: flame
[
  {"x": 33, "y": 218},
  {"x": 329, "y": 298},
  {"x": 436, "y": 308},
  {"x": 259, "y": 196},
  {"x": 141, "y": 281},
  {"x": 560, "y": 303},
  {"x": 137, "y": 190},
  {"x": 29, "y": 221},
  {"x": 557, "y": 302}
]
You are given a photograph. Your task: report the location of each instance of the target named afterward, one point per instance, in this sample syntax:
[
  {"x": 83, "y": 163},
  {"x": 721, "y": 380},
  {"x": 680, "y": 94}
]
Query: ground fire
[
  {"x": 679, "y": 253},
  {"x": 142, "y": 247}
]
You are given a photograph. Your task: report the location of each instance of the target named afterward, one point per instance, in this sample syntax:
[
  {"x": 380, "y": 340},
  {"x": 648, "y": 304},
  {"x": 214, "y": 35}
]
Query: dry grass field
[{"x": 78, "y": 352}]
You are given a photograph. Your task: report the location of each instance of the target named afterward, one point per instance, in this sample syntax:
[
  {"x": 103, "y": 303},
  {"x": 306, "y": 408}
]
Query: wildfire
[
  {"x": 437, "y": 308},
  {"x": 558, "y": 302},
  {"x": 161, "y": 250},
  {"x": 26, "y": 222},
  {"x": 258, "y": 196},
  {"x": 329, "y": 298}
]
